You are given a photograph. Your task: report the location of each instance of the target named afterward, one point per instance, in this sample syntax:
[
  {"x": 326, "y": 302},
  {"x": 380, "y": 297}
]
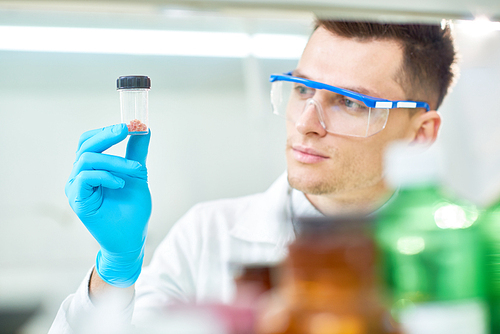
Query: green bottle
[
  {"x": 489, "y": 224},
  {"x": 431, "y": 251}
]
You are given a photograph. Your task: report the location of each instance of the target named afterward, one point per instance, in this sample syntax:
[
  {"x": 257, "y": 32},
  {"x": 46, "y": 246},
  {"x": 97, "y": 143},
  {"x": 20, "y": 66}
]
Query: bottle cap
[{"x": 133, "y": 81}]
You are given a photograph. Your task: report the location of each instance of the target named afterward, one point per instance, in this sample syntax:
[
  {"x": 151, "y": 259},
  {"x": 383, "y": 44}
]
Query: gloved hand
[{"x": 111, "y": 197}]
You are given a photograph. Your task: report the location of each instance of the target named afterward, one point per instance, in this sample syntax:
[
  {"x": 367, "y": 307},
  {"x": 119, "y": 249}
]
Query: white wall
[{"x": 471, "y": 119}]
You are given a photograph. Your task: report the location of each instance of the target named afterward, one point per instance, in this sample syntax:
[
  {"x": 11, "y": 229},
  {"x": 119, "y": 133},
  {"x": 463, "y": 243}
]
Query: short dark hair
[{"x": 429, "y": 56}]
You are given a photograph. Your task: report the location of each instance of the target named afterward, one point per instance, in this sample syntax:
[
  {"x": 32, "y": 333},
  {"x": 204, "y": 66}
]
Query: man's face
[{"x": 322, "y": 163}]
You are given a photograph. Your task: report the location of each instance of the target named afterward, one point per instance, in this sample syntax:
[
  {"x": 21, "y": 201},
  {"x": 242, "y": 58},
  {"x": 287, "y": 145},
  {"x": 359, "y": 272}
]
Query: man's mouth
[{"x": 307, "y": 155}]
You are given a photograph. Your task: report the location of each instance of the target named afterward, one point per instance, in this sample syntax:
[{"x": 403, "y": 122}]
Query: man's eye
[
  {"x": 353, "y": 104},
  {"x": 304, "y": 91},
  {"x": 350, "y": 103}
]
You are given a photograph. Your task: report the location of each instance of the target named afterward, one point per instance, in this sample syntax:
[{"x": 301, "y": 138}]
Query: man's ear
[{"x": 427, "y": 127}]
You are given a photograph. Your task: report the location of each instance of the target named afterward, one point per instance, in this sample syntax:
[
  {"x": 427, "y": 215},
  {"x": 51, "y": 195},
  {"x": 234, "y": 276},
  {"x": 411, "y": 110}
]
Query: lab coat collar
[{"x": 267, "y": 216}]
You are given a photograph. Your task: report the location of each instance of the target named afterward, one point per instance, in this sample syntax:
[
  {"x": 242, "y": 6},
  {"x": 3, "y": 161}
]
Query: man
[{"x": 340, "y": 119}]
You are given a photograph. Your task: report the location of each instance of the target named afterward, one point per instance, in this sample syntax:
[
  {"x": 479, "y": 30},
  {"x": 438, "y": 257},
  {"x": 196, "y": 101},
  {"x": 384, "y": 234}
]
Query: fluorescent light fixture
[
  {"x": 151, "y": 42},
  {"x": 479, "y": 26},
  {"x": 277, "y": 46}
]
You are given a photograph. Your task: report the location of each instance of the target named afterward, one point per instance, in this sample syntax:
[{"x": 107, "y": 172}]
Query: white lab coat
[{"x": 193, "y": 262}]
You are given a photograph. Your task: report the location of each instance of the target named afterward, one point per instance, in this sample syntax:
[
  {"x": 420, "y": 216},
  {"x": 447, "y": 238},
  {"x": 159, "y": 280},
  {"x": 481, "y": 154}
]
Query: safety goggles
[{"x": 340, "y": 111}]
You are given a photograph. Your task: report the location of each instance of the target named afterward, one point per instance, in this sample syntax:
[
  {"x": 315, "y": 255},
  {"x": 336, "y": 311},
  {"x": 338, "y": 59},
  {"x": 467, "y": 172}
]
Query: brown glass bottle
[{"x": 328, "y": 282}]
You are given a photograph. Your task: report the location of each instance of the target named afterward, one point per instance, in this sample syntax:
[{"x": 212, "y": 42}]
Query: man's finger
[
  {"x": 137, "y": 148},
  {"x": 101, "y": 139},
  {"x": 110, "y": 163},
  {"x": 87, "y": 135},
  {"x": 85, "y": 182}
]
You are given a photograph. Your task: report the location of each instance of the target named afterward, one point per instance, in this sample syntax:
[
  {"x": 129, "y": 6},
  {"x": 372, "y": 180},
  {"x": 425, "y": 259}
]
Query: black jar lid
[{"x": 133, "y": 81}]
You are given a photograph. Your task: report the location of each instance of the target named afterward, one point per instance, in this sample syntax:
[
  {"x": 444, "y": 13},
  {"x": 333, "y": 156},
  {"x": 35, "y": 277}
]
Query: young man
[{"x": 340, "y": 119}]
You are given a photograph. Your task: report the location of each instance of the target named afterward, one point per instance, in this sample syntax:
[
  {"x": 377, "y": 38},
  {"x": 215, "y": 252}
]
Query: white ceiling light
[
  {"x": 478, "y": 27},
  {"x": 277, "y": 46},
  {"x": 150, "y": 42}
]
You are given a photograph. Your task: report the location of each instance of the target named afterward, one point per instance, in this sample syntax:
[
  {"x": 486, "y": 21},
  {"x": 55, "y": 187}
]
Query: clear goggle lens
[{"x": 337, "y": 114}]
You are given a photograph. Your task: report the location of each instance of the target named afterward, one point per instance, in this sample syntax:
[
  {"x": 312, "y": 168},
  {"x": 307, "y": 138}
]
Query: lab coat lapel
[{"x": 266, "y": 217}]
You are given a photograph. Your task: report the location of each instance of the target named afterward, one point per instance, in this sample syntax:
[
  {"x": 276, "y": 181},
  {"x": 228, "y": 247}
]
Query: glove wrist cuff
[{"x": 119, "y": 269}]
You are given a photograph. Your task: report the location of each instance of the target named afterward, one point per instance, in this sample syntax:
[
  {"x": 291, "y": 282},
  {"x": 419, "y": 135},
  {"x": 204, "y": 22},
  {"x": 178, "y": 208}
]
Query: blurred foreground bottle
[
  {"x": 432, "y": 251},
  {"x": 328, "y": 283},
  {"x": 489, "y": 223}
]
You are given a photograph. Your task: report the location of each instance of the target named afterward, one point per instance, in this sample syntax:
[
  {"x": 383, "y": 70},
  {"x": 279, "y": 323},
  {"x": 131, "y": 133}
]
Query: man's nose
[{"x": 309, "y": 122}]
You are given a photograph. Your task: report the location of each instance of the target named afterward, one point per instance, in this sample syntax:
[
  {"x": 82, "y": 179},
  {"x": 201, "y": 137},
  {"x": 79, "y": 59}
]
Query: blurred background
[{"x": 213, "y": 133}]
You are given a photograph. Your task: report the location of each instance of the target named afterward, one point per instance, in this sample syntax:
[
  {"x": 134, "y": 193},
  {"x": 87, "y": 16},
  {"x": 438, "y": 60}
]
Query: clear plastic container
[{"x": 134, "y": 102}]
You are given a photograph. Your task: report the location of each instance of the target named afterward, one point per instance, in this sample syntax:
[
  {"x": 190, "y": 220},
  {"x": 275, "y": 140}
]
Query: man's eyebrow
[
  {"x": 359, "y": 90},
  {"x": 364, "y": 91},
  {"x": 296, "y": 73}
]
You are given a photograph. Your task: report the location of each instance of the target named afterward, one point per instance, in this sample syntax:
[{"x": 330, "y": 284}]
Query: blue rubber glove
[{"x": 111, "y": 197}]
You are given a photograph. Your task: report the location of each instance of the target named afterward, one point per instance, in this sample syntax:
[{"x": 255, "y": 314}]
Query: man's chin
[{"x": 309, "y": 186}]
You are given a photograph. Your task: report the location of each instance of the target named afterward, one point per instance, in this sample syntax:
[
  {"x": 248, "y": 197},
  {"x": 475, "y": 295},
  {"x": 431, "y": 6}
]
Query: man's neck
[{"x": 358, "y": 201}]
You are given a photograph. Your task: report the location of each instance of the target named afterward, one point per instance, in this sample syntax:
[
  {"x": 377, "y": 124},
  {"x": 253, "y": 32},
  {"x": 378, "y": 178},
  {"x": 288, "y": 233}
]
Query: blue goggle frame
[{"x": 372, "y": 102}]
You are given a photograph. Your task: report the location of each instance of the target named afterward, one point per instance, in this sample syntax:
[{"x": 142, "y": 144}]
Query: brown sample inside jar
[{"x": 137, "y": 126}]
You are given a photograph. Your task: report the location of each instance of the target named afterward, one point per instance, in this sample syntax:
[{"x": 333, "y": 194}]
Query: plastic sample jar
[{"x": 134, "y": 102}]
